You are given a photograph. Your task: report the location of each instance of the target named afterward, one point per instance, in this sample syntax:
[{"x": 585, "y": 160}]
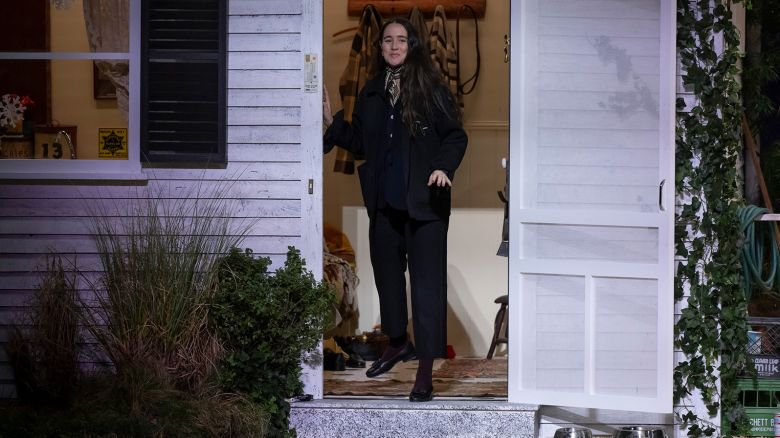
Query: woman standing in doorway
[{"x": 407, "y": 125}]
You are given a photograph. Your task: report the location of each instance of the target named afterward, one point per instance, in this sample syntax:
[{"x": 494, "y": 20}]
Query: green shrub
[{"x": 266, "y": 323}]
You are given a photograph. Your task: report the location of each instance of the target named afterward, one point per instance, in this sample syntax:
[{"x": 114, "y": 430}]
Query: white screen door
[{"x": 591, "y": 206}]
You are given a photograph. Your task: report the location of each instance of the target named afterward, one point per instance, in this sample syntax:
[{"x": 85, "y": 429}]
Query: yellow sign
[{"x": 112, "y": 143}]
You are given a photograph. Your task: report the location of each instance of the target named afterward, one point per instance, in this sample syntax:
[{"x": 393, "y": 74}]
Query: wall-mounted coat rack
[{"x": 390, "y": 8}]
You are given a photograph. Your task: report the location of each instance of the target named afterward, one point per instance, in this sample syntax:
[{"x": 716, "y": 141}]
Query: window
[
  {"x": 76, "y": 106},
  {"x": 183, "y": 82}
]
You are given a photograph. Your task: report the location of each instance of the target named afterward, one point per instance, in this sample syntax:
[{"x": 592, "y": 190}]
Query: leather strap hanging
[{"x": 473, "y": 79}]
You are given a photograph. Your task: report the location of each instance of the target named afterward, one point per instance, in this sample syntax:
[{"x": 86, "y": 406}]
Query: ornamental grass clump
[
  {"x": 43, "y": 347},
  {"x": 267, "y": 322},
  {"x": 158, "y": 257}
]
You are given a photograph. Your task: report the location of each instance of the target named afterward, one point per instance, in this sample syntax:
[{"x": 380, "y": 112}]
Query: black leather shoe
[
  {"x": 421, "y": 396},
  {"x": 380, "y": 366},
  {"x": 355, "y": 361},
  {"x": 332, "y": 361}
]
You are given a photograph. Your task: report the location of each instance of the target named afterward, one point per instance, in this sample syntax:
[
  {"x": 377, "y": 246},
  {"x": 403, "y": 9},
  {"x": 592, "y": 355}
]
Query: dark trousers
[{"x": 394, "y": 237}]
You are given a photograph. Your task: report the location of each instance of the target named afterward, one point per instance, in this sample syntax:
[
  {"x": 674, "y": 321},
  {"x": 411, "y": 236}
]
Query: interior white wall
[{"x": 476, "y": 276}]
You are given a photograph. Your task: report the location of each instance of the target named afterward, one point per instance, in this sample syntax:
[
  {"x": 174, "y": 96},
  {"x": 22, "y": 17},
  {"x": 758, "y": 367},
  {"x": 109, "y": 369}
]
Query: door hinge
[{"x": 311, "y": 186}]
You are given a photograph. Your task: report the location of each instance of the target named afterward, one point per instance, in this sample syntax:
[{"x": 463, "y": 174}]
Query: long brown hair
[{"x": 423, "y": 91}]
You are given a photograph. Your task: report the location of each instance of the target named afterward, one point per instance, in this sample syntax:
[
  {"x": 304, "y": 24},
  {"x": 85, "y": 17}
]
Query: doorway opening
[{"x": 476, "y": 275}]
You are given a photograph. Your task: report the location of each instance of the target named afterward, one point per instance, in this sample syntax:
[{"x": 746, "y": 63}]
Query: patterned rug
[
  {"x": 451, "y": 378},
  {"x": 471, "y": 369}
]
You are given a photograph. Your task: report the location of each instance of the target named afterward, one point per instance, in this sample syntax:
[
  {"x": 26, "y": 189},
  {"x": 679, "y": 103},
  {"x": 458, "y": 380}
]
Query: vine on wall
[{"x": 711, "y": 331}]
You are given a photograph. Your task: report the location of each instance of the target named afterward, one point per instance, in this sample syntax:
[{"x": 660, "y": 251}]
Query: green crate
[{"x": 761, "y": 400}]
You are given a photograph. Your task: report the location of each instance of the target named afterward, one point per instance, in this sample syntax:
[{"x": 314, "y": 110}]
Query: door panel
[{"x": 592, "y": 137}]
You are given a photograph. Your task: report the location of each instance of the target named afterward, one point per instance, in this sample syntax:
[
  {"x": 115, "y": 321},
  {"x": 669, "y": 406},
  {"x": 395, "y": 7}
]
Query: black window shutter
[{"x": 184, "y": 82}]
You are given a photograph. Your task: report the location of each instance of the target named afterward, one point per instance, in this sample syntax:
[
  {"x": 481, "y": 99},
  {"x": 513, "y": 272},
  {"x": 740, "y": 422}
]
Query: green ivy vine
[{"x": 711, "y": 330}]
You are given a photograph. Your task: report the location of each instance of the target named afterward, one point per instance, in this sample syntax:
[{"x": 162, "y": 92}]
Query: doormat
[
  {"x": 472, "y": 368},
  {"x": 441, "y": 387},
  {"x": 451, "y": 378}
]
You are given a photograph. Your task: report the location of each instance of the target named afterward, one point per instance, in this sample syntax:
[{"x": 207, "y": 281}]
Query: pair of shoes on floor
[
  {"x": 333, "y": 361},
  {"x": 355, "y": 361},
  {"x": 379, "y": 367},
  {"x": 421, "y": 396}
]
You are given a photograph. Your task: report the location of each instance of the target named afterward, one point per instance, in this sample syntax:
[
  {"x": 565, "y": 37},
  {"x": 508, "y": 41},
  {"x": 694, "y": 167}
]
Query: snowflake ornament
[{"x": 12, "y": 108}]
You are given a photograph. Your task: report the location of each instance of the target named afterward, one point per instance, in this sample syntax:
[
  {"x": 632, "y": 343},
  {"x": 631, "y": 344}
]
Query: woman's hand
[
  {"x": 327, "y": 113},
  {"x": 439, "y": 178}
]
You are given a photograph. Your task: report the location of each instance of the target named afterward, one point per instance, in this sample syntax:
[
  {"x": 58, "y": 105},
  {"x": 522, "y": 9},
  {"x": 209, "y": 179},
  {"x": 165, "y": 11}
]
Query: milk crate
[
  {"x": 761, "y": 399},
  {"x": 764, "y": 346}
]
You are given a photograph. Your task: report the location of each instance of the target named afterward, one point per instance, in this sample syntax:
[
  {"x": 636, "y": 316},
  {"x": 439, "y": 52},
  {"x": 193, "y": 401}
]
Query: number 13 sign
[{"x": 55, "y": 142}]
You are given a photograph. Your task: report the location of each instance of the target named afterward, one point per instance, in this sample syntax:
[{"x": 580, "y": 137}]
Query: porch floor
[{"x": 397, "y": 417}]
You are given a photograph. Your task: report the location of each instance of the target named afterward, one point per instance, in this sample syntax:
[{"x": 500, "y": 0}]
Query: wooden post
[
  {"x": 753, "y": 153},
  {"x": 392, "y": 8}
]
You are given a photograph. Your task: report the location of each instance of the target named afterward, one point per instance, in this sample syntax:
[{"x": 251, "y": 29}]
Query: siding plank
[
  {"x": 264, "y": 24},
  {"x": 265, "y": 60},
  {"x": 264, "y": 152},
  {"x": 279, "y": 42},
  {"x": 257, "y": 97},
  {"x": 255, "y": 7},
  {"x": 264, "y": 134},
  {"x": 265, "y": 79},
  {"x": 264, "y": 116}
]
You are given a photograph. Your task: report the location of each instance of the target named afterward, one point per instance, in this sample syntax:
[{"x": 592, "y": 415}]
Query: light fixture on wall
[{"x": 62, "y": 4}]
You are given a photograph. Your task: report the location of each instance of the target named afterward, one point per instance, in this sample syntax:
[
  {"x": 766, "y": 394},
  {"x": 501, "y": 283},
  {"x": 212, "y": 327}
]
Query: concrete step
[{"x": 397, "y": 417}]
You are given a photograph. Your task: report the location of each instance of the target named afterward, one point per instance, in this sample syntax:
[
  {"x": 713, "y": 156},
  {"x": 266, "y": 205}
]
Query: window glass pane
[
  {"x": 77, "y": 102},
  {"x": 66, "y": 26}
]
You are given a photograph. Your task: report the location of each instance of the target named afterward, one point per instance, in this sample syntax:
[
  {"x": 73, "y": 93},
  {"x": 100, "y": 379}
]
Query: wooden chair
[{"x": 501, "y": 326}]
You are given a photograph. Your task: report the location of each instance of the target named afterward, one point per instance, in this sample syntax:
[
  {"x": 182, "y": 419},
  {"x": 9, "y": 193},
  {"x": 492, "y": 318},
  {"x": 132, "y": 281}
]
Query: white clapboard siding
[
  {"x": 262, "y": 185},
  {"x": 276, "y": 226},
  {"x": 251, "y": 24},
  {"x": 264, "y": 134},
  {"x": 278, "y": 189},
  {"x": 244, "y": 208},
  {"x": 264, "y": 152},
  {"x": 274, "y": 61}
]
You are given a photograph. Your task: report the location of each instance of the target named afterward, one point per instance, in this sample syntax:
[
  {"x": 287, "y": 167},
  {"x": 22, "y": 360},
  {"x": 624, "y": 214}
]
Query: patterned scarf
[{"x": 392, "y": 77}]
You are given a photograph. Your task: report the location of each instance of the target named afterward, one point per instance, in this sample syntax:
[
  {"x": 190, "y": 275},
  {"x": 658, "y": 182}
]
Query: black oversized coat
[{"x": 437, "y": 144}]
